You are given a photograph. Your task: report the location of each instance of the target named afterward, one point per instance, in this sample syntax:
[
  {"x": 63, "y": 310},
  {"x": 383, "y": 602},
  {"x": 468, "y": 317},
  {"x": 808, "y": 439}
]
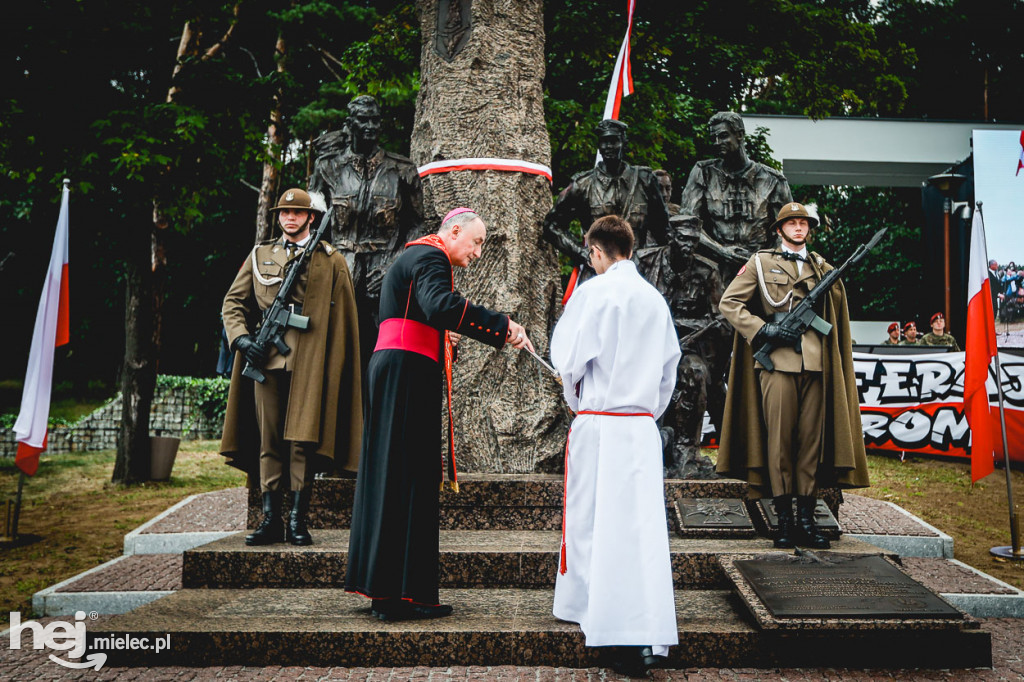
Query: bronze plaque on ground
[
  {"x": 712, "y": 512},
  {"x": 840, "y": 586}
]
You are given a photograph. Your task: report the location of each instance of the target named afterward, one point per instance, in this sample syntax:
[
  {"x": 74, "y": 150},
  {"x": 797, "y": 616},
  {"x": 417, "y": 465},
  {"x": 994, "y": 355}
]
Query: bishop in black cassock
[{"x": 393, "y": 547}]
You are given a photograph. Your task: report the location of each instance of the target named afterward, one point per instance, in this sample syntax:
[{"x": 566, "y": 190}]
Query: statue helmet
[
  {"x": 301, "y": 200},
  {"x": 795, "y": 210}
]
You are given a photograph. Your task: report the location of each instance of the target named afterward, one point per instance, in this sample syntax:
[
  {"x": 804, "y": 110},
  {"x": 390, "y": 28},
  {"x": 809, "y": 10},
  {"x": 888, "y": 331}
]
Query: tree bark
[
  {"x": 272, "y": 166},
  {"x": 488, "y": 101}
]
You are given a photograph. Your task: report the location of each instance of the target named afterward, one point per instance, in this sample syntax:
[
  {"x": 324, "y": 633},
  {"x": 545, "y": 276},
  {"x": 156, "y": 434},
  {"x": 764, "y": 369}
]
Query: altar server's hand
[
  {"x": 517, "y": 336},
  {"x": 455, "y": 337}
]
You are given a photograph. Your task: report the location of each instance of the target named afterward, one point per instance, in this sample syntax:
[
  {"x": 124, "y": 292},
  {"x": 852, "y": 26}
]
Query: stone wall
[{"x": 172, "y": 414}]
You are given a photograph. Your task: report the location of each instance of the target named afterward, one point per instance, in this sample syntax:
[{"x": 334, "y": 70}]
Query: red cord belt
[{"x": 563, "y": 566}]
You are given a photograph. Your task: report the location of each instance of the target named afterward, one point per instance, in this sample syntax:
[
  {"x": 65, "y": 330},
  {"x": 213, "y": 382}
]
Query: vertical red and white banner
[
  {"x": 979, "y": 350},
  {"x": 1020, "y": 161},
  {"x": 51, "y": 330},
  {"x": 622, "y": 75}
]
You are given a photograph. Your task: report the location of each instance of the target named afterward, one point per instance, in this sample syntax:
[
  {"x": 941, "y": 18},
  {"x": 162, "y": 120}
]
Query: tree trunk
[
  {"x": 138, "y": 376},
  {"x": 272, "y": 166},
  {"x": 488, "y": 101}
]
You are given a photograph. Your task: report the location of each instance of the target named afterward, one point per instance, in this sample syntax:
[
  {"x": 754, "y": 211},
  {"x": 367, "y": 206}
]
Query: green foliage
[
  {"x": 7, "y": 420},
  {"x": 205, "y": 396}
]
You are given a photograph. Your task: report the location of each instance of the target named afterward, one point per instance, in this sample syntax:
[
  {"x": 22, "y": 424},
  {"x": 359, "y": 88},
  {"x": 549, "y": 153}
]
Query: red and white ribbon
[
  {"x": 475, "y": 164},
  {"x": 622, "y": 76}
]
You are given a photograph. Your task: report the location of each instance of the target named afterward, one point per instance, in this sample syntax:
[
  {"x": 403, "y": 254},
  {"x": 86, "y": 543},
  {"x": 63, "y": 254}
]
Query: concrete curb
[
  {"x": 49, "y": 602},
  {"x": 912, "y": 545},
  {"x": 141, "y": 541},
  {"x": 988, "y": 605}
]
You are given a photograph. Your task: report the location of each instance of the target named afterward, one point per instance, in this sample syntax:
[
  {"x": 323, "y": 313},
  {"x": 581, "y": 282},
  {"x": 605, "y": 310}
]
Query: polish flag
[
  {"x": 51, "y": 330},
  {"x": 622, "y": 75},
  {"x": 980, "y": 348},
  {"x": 1020, "y": 162}
]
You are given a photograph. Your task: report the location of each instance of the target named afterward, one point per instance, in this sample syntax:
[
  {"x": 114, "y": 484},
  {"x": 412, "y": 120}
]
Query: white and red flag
[
  {"x": 622, "y": 76},
  {"x": 51, "y": 330},
  {"x": 1020, "y": 161},
  {"x": 979, "y": 349}
]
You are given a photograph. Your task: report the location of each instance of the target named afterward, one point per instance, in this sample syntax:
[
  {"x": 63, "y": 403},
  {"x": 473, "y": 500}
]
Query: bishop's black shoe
[
  {"x": 423, "y": 611},
  {"x": 627, "y": 660},
  {"x": 389, "y": 609}
]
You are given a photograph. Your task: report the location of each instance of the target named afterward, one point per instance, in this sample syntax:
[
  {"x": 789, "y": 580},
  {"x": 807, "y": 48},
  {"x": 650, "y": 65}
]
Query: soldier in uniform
[
  {"x": 376, "y": 206},
  {"x": 938, "y": 336},
  {"x": 797, "y": 428},
  {"x": 735, "y": 198},
  {"x": 310, "y": 407},
  {"x": 613, "y": 187},
  {"x": 690, "y": 284},
  {"x": 910, "y": 334},
  {"x": 894, "y": 335}
]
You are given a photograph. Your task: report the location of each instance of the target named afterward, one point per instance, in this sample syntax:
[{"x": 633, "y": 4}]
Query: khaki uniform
[
  {"x": 321, "y": 371},
  {"x": 791, "y": 396}
]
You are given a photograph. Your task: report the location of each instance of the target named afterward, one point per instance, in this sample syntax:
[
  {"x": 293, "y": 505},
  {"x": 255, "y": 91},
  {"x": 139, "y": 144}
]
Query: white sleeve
[
  {"x": 668, "y": 372},
  {"x": 574, "y": 344}
]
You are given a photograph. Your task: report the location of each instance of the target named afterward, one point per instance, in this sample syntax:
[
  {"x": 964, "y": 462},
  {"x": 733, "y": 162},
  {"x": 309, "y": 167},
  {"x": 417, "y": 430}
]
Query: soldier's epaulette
[
  {"x": 267, "y": 242},
  {"x": 581, "y": 174},
  {"x": 820, "y": 261},
  {"x": 328, "y": 247},
  {"x": 777, "y": 174}
]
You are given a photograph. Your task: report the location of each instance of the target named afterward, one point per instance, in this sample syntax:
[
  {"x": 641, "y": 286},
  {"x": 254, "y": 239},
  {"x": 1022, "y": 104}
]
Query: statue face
[
  {"x": 610, "y": 147},
  {"x": 364, "y": 124},
  {"x": 665, "y": 185},
  {"x": 727, "y": 143}
]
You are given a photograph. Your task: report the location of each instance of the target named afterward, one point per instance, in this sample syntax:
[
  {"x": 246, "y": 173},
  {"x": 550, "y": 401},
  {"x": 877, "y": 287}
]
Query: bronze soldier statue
[
  {"x": 736, "y": 199},
  {"x": 613, "y": 187},
  {"x": 375, "y": 201},
  {"x": 691, "y": 285}
]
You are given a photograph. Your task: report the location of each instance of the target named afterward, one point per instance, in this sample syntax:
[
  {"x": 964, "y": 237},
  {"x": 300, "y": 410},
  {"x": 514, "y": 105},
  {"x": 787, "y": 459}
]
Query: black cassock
[{"x": 393, "y": 548}]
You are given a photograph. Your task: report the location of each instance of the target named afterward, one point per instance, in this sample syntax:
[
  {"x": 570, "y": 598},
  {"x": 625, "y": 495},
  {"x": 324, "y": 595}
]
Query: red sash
[
  {"x": 449, "y": 355},
  {"x": 563, "y": 566},
  {"x": 398, "y": 333}
]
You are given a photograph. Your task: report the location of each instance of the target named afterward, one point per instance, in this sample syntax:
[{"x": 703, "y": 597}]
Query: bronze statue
[
  {"x": 736, "y": 199},
  {"x": 665, "y": 185},
  {"x": 375, "y": 201},
  {"x": 691, "y": 285},
  {"x": 613, "y": 187}
]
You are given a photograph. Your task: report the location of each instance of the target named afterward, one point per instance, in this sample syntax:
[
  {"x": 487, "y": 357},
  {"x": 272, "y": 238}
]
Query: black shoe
[
  {"x": 423, "y": 612},
  {"x": 296, "y": 532},
  {"x": 650, "y": 659},
  {"x": 389, "y": 609},
  {"x": 810, "y": 535},
  {"x": 270, "y": 529},
  {"x": 627, "y": 660},
  {"x": 783, "y": 505}
]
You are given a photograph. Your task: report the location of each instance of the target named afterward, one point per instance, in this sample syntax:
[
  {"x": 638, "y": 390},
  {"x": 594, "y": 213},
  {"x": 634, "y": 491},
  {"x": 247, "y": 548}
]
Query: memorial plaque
[
  {"x": 823, "y": 517},
  {"x": 712, "y": 512},
  {"x": 840, "y": 586}
]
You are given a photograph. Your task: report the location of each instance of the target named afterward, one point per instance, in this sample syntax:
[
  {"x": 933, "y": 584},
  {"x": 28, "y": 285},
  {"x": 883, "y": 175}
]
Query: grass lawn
[{"x": 80, "y": 518}]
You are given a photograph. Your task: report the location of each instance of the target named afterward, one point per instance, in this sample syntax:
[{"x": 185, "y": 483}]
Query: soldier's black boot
[
  {"x": 296, "y": 532},
  {"x": 270, "y": 529},
  {"x": 784, "y": 512},
  {"x": 810, "y": 534}
]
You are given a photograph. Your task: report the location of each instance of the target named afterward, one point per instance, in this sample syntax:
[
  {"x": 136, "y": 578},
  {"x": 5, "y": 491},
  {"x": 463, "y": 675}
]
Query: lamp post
[{"x": 948, "y": 184}]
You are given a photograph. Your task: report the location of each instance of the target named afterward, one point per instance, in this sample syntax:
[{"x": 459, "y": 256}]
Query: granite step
[
  {"x": 469, "y": 559},
  {"x": 313, "y": 627},
  {"x": 485, "y": 501}
]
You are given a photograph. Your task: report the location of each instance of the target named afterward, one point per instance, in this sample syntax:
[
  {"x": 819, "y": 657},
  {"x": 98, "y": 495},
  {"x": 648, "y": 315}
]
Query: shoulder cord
[
  {"x": 764, "y": 287},
  {"x": 265, "y": 281}
]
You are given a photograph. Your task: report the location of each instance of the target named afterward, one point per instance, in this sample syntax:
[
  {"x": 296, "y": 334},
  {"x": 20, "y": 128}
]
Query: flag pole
[{"x": 1013, "y": 551}]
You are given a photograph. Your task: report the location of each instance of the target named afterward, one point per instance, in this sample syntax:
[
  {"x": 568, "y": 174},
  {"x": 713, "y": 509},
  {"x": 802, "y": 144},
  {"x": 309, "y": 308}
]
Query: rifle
[
  {"x": 280, "y": 314},
  {"x": 803, "y": 317}
]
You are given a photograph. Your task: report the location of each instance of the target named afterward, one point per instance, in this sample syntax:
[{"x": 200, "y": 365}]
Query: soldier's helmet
[
  {"x": 300, "y": 199},
  {"x": 794, "y": 210}
]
